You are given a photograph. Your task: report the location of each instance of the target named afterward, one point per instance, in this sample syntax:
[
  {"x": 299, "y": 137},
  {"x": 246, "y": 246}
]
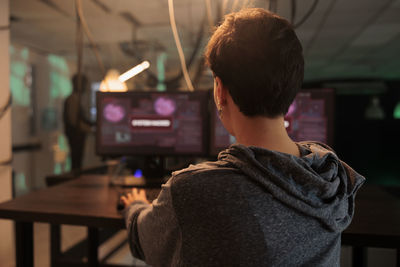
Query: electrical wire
[
  {"x": 293, "y": 11},
  {"x": 307, "y": 15},
  {"x": 6, "y": 162},
  {"x": 3, "y": 111},
  {"x": 321, "y": 24},
  {"x": 6, "y": 107},
  {"x": 235, "y": 5},
  {"x": 224, "y": 7},
  {"x": 172, "y": 81},
  {"x": 178, "y": 45},
  {"x": 272, "y": 5},
  {"x": 4, "y": 27},
  {"x": 79, "y": 49},
  {"x": 245, "y": 3},
  {"x": 89, "y": 36},
  {"x": 209, "y": 14}
]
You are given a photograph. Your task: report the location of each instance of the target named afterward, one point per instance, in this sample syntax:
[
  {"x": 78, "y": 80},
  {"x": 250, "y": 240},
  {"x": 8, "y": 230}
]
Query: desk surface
[
  {"x": 89, "y": 201},
  {"x": 376, "y": 219}
]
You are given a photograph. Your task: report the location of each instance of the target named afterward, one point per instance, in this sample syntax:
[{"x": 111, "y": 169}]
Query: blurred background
[{"x": 352, "y": 46}]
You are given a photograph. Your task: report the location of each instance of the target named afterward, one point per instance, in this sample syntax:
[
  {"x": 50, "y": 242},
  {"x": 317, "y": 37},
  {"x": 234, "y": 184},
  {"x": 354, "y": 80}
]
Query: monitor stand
[{"x": 148, "y": 172}]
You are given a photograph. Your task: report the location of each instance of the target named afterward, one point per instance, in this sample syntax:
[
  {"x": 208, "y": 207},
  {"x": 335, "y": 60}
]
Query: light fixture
[
  {"x": 113, "y": 82},
  {"x": 396, "y": 111},
  {"x": 374, "y": 110},
  {"x": 134, "y": 71}
]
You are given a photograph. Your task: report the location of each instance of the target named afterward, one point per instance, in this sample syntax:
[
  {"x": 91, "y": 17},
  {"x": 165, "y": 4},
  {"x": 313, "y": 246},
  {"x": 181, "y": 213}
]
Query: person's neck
[{"x": 264, "y": 132}]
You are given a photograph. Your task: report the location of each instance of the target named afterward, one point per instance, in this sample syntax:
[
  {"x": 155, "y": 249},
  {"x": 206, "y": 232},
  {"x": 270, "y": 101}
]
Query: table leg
[
  {"x": 360, "y": 257},
  {"x": 93, "y": 245},
  {"x": 55, "y": 244},
  {"x": 24, "y": 244}
]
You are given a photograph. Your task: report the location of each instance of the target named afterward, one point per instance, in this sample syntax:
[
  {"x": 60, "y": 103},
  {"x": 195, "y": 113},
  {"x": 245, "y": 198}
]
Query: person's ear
[{"x": 221, "y": 91}]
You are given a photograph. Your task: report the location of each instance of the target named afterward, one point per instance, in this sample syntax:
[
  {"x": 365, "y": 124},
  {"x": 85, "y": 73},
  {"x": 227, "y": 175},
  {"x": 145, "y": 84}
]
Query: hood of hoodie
[{"x": 316, "y": 184}]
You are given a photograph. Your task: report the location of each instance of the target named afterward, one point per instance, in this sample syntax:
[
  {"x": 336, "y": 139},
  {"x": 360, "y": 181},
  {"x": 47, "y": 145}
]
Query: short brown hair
[{"x": 259, "y": 58}]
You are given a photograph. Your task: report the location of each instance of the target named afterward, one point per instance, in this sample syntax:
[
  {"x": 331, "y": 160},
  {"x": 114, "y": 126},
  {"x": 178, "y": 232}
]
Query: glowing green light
[
  {"x": 25, "y": 54},
  {"x": 68, "y": 164},
  {"x": 60, "y": 83},
  {"x": 11, "y": 49},
  {"x": 161, "y": 71},
  {"x": 58, "y": 62},
  {"x": 21, "y": 95},
  {"x": 20, "y": 182},
  {"x": 57, "y": 168},
  {"x": 396, "y": 112},
  {"x": 18, "y": 68},
  {"x": 62, "y": 143}
]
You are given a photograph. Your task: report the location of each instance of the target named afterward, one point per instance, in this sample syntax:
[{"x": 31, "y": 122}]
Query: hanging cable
[
  {"x": 89, "y": 36},
  {"x": 6, "y": 162},
  {"x": 224, "y": 7},
  {"x": 79, "y": 49},
  {"x": 3, "y": 111},
  {"x": 235, "y": 5},
  {"x": 6, "y": 107},
  {"x": 320, "y": 25},
  {"x": 245, "y": 4},
  {"x": 4, "y": 27},
  {"x": 307, "y": 15},
  {"x": 209, "y": 14},
  {"x": 170, "y": 82},
  {"x": 293, "y": 11},
  {"x": 272, "y": 5},
  {"x": 178, "y": 45}
]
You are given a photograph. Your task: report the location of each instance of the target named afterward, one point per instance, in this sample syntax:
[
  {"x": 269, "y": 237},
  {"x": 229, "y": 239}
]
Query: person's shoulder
[
  {"x": 201, "y": 171},
  {"x": 316, "y": 146},
  {"x": 198, "y": 169}
]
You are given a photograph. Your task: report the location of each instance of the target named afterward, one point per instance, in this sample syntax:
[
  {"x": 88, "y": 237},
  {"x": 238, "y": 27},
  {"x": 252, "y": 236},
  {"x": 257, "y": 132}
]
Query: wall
[{"x": 6, "y": 227}]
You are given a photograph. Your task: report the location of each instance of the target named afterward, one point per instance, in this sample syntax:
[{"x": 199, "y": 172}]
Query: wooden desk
[{"x": 89, "y": 201}]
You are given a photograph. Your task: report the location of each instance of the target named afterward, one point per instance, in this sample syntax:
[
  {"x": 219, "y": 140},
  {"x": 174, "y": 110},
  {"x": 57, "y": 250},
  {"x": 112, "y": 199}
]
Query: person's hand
[{"x": 136, "y": 194}]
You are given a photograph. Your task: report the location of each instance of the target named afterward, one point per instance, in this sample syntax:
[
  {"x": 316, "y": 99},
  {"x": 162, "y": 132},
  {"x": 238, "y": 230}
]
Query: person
[
  {"x": 267, "y": 200},
  {"x": 76, "y": 126}
]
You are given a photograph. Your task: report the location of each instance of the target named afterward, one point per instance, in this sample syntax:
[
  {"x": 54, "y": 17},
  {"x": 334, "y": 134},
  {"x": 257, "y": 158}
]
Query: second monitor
[{"x": 310, "y": 118}]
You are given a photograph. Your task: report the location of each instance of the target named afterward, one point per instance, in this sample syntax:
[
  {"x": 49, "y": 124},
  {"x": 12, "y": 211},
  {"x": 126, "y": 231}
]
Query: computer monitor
[
  {"x": 220, "y": 139},
  {"x": 152, "y": 123},
  {"x": 310, "y": 118}
]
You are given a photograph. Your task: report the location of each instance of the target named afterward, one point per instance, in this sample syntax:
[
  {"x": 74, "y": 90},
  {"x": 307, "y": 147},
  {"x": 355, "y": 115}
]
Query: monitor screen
[
  {"x": 152, "y": 123},
  {"x": 310, "y": 118},
  {"x": 220, "y": 139}
]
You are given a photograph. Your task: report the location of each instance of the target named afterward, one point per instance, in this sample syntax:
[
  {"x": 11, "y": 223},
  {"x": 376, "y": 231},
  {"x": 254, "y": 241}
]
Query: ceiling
[{"x": 341, "y": 38}]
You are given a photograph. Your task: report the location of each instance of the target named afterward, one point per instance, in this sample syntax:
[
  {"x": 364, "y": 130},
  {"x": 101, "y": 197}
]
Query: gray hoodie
[{"x": 252, "y": 207}]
